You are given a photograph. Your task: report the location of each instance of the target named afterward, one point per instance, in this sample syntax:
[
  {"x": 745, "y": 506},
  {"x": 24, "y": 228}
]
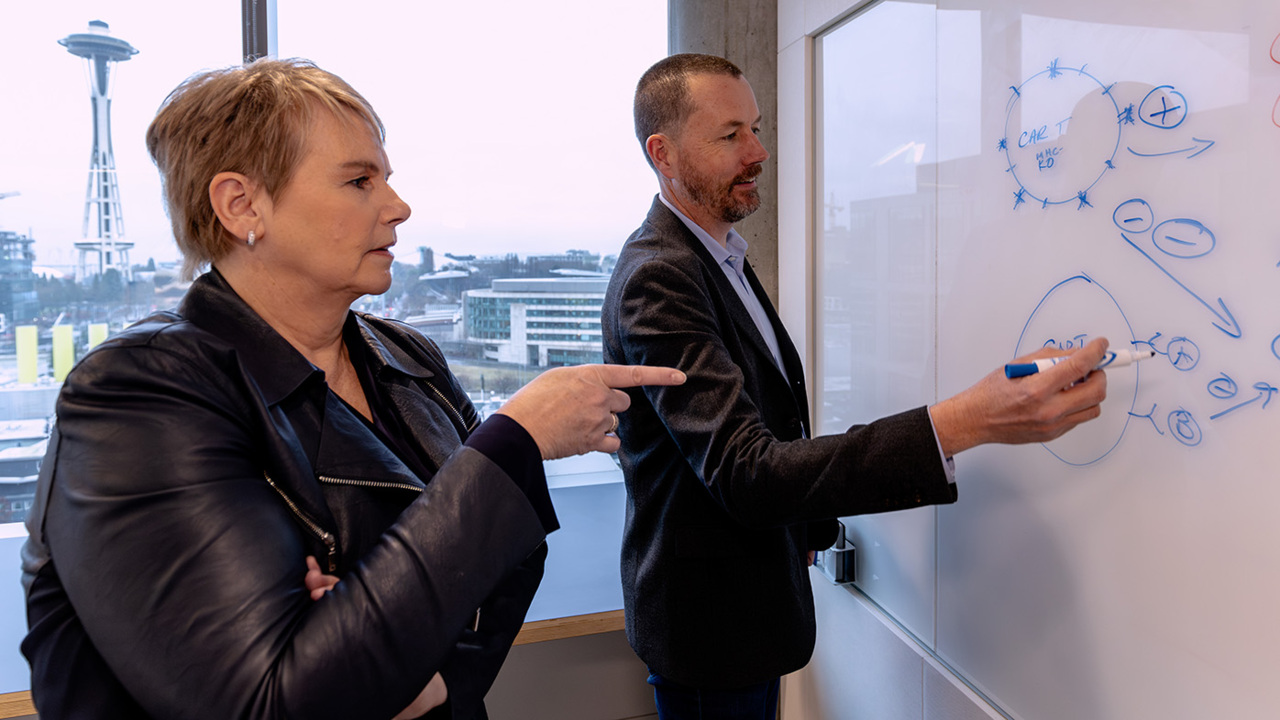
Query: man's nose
[{"x": 758, "y": 153}]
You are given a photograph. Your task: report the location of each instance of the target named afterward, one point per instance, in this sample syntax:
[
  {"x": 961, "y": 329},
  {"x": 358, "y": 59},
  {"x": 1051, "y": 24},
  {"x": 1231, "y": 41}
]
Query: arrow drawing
[
  {"x": 1226, "y": 322},
  {"x": 1199, "y": 147},
  {"x": 1265, "y": 392}
]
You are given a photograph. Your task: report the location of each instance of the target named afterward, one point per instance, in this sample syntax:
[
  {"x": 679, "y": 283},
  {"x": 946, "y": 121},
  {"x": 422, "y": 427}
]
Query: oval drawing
[
  {"x": 1073, "y": 312},
  {"x": 1184, "y": 238}
]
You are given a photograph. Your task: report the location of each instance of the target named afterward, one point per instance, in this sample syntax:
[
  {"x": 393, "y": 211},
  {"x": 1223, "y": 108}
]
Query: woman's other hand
[
  {"x": 317, "y": 582},
  {"x": 434, "y": 694}
]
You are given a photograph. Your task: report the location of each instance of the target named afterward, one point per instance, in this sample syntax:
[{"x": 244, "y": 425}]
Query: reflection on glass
[
  {"x": 515, "y": 149},
  {"x": 878, "y": 154}
]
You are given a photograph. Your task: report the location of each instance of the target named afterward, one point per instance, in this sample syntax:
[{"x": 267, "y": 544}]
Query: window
[
  {"x": 509, "y": 128},
  {"x": 124, "y": 250}
]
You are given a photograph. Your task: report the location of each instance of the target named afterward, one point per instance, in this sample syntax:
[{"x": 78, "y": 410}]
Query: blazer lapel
[
  {"x": 662, "y": 216},
  {"x": 790, "y": 356}
]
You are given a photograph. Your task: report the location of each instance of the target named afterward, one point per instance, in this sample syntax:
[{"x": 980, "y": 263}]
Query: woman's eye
[{"x": 361, "y": 182}]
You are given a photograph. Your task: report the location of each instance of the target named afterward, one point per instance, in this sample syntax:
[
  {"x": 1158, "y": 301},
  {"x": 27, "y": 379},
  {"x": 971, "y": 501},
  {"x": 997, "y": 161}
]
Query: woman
[{"x": 202, "y": 457}]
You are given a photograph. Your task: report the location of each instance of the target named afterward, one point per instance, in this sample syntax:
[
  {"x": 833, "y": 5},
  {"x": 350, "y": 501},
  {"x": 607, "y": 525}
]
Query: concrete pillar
[{"x": 746, "y": 33}]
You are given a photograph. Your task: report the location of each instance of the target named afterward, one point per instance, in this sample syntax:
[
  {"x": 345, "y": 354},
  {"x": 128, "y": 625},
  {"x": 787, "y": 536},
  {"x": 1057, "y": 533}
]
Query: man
[{"x": 727, "y": 493}]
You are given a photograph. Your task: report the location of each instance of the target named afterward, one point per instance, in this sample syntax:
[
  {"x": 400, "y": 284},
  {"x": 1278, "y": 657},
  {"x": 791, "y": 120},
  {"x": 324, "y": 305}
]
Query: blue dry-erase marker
[{"x": 1113, "y": 358}]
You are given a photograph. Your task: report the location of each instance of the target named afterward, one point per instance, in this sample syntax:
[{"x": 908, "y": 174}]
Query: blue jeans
[{"x": 680, "y": 702}]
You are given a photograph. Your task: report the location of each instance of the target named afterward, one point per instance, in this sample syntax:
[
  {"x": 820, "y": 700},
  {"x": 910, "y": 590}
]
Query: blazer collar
[{"x": 668, "y": 224}]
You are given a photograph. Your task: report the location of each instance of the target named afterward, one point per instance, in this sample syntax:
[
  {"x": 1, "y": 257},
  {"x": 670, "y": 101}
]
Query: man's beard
[{"x": 720, "y": 201}]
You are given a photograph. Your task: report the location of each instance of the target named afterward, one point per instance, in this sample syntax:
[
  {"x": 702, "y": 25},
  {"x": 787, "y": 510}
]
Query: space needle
[{"x": 105, "y": 249}]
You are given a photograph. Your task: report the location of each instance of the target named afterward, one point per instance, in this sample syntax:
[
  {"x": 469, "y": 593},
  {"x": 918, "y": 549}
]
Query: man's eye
[{"x": 731, "y": 136}]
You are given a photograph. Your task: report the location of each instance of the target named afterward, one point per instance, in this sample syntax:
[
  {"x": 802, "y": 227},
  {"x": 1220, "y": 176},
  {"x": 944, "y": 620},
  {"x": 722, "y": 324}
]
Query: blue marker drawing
[
  {"x": 1126, "y": 116},
  {"x": 1163, "y": 108},
  {"x": 1184, "y": 238},
  {"x": 1200, "y": 147},
  {"x": 1223, "y": 387},
  {"x": 1183, "y": 354},
  {"x": 1183, "y": 427},
  {"x": 1076, "y": 341},
  {"x": 1149, "y": 416},
  {"x": 1275, "y": 347},
  {"x": 1039, "y": 131},
  {"x": 1265, "y": 391},
  {"x": 1225, "y": 321},
  {"x": 1181, "y": 238},
  {"x": 1135, "y": 216}
]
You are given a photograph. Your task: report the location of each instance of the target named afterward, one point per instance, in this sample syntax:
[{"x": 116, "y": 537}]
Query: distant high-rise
[{"x": 105, "y": 247}]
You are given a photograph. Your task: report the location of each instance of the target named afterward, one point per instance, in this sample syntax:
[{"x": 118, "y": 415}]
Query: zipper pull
[{"x": 332, "y": 544}]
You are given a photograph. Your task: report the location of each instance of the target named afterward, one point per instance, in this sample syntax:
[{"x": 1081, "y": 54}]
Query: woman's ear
[{"x": 237, "y": 204}]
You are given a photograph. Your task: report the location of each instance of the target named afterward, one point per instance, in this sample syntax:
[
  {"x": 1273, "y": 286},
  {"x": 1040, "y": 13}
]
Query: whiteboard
[{"x": 1068, "y": 171}]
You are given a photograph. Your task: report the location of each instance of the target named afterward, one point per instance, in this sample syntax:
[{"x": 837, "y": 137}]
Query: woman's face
[{"x": 331, "y": 228}]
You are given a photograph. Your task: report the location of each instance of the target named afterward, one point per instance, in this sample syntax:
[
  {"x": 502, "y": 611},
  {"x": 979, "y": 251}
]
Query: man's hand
[
  {"x": 1035, "y": 408},
  {"x": 571, "y": 410}
]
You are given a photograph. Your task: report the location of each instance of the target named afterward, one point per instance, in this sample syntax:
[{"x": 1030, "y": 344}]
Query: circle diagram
[
  {"x": 1184, "y": 238},
  {"x": 1163, "y": 108},
  {"x": 1062, "y": 133},
  {"x": 1071, "y": 314}
]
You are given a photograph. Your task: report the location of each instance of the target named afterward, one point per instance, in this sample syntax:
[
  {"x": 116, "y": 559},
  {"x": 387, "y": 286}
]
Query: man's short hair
[{"x": 663, "y": 102}]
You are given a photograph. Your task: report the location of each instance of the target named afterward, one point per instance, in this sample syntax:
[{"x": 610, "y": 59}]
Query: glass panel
[
  {"x": 509, "y": 127},
  {"x": 511, "y": 135},
  {"x": 876, "y": 268},
  {"x": 110, "y": 232}
]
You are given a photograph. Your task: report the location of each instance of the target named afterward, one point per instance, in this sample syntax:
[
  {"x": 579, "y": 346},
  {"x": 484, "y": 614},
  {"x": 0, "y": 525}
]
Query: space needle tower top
[{"x": 105, "y": 245}]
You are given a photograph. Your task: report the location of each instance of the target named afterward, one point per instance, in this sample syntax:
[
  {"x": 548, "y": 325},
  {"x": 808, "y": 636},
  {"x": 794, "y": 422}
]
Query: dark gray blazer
[{"x": 725, "y": 495}]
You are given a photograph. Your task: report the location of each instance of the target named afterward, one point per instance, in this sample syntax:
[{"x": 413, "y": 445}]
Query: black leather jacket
[{"x": 197, "y": 459}]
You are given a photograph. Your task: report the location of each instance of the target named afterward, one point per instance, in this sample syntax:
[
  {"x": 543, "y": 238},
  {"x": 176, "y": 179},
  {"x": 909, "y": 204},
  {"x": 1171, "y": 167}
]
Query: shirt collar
[{"x": 736, "y": 248}]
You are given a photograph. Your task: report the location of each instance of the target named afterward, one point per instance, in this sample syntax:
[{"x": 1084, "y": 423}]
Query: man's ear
[
  {"x": 662, "y": 152},
  {"x": 236, "y": 203}
]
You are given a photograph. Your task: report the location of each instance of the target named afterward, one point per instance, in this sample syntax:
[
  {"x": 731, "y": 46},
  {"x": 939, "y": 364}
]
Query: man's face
[{"x": 719, "y": 155}]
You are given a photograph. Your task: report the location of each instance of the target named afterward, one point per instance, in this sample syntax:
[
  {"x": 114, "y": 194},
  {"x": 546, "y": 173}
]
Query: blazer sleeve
[
  {"x": 184, "y": 567},
  {"x": 667, "y": 315}
]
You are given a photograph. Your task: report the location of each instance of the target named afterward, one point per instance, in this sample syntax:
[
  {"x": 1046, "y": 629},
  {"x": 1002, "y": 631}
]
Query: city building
[
  {"x": 545, "y": 322},
  {"x": 18, "y": 302}
]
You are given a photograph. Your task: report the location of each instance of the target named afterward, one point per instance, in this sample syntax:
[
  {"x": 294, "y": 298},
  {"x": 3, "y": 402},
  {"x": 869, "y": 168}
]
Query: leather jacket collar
[{"x": 279, "y": 369}]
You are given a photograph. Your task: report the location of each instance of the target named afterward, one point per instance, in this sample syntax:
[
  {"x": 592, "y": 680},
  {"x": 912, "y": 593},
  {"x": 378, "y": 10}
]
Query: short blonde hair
[{"x": 249, "y": 119}]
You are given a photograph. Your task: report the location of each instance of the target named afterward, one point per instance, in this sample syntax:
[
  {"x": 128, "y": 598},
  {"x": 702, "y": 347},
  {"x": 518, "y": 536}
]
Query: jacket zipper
[
  {"x": 325, "y": 536},
  {"x": 461, "y": 423},
  {"x": 369, "y": 483}
]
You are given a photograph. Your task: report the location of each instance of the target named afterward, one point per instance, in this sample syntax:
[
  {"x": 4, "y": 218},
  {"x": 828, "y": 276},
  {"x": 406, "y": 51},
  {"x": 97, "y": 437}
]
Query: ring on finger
[{"x": 614, "y": 427}]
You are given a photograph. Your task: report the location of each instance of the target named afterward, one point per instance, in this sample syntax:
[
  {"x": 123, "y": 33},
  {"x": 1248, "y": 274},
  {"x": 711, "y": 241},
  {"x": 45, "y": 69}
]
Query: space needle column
[{"x": 102, "y": 197}]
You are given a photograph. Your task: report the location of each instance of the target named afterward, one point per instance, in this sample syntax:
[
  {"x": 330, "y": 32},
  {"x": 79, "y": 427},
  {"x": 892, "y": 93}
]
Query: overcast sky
[{"x": 508, "y": 130}]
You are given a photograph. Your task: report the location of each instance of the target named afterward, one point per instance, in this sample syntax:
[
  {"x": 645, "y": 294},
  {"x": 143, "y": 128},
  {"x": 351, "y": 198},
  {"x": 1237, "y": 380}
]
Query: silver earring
[{"x": 250, "y": 239}]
